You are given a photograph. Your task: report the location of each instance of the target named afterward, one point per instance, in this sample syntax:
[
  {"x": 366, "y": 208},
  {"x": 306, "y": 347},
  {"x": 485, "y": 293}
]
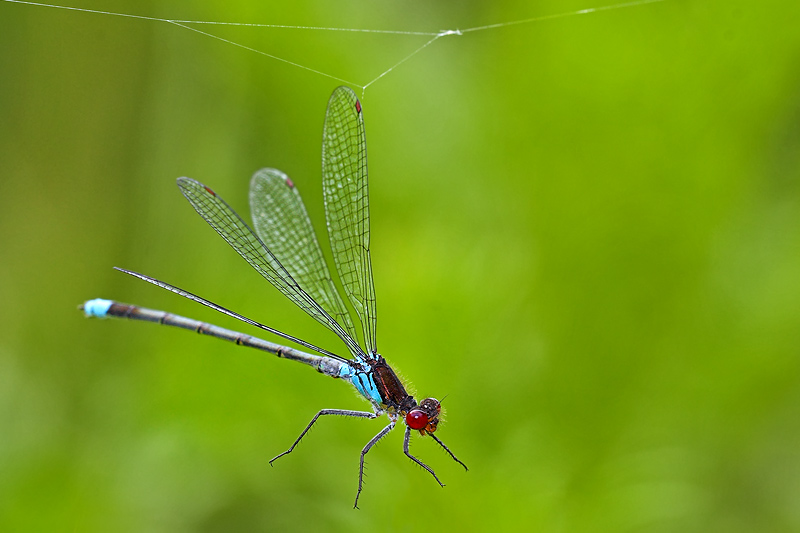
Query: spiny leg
[
  {"x": 340, "y": 412},
  {"x": 369, "y": 445},
  {"x": 420, "y": 463},
  {"x": 448, "y": 451}
]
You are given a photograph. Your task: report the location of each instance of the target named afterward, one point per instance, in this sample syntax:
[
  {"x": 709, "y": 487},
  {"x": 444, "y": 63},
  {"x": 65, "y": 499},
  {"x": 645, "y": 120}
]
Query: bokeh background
[{"x": 586, "y": 233}]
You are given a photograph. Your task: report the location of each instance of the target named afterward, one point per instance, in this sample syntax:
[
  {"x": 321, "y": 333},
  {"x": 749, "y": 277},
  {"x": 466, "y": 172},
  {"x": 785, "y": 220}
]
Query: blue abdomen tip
[{"x": 97, "y": 307}]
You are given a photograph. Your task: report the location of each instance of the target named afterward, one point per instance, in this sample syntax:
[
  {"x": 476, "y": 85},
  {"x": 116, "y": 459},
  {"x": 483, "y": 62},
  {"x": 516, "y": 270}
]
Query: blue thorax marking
[
  {"x": 97, "y": 307},
  {"x": 362, "y": 380}
]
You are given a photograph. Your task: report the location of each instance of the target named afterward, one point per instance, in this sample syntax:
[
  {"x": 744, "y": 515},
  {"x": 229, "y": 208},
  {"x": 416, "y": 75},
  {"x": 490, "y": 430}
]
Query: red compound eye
[{"x": 416, "y": 419}]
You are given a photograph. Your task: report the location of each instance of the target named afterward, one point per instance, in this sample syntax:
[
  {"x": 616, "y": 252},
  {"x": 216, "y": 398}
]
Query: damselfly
[{"x": 283, "y": 248}]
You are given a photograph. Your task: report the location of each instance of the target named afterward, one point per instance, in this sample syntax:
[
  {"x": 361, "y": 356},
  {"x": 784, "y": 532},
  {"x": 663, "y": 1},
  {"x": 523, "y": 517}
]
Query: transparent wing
[
  {"x": 344, "y": 185},
  {"x": 281, "y": 221},
  {"x": 238, "y": 234}
]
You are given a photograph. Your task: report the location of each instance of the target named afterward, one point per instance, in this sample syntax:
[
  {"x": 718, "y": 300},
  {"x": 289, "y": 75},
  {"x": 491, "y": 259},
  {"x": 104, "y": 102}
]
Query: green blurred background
[{"x": 586, "y": 232}]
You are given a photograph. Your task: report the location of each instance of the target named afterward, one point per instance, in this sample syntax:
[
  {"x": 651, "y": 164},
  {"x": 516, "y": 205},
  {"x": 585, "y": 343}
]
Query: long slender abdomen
[{"x": 101, "y": 308}]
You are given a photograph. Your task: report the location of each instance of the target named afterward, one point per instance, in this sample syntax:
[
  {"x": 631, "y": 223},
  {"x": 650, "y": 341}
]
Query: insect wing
[
  {"x": 238, "y": 234},
  {"x": 346, "y": 194},
  {"x": 281, "y": 221}
]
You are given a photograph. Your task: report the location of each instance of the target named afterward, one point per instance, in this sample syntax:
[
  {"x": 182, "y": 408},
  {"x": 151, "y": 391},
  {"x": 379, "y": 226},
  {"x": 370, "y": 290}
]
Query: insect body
[{"x": 283, "y": 248}]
